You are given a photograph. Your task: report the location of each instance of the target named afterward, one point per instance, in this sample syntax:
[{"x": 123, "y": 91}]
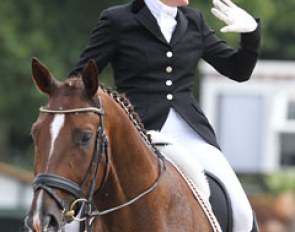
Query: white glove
[{"x": 237, "y": 19}]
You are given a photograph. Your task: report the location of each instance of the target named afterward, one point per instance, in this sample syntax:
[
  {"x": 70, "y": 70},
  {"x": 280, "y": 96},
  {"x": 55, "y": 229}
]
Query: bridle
[{"x": 49, "y": 182}]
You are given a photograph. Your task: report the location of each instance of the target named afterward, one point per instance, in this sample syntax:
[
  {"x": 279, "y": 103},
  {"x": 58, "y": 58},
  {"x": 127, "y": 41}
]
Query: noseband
[{"x": 48, "y": 182}]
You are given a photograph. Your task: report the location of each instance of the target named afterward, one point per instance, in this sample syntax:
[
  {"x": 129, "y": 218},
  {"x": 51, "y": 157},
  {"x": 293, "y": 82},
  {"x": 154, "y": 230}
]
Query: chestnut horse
[{"x": 93, "y": 162}]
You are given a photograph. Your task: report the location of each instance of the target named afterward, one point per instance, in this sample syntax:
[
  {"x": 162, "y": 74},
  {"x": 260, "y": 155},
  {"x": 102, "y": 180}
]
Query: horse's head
[{"x": 68, "y": 138}]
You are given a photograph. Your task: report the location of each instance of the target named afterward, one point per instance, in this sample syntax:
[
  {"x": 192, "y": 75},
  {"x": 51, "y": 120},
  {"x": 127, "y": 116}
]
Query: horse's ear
[
  {"x": 43, "y": 79},
  {"x": 90, "y": 78}
]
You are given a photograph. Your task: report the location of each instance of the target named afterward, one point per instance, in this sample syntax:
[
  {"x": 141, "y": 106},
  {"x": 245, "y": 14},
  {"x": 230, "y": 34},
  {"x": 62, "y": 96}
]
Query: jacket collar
[
  {"x": 143, "y": 15},
  {"x": 137, "y": 5}
]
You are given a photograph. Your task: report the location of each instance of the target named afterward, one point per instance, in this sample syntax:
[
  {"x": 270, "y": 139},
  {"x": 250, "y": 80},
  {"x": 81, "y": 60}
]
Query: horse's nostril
[
  {"x": 51, "y": 223},
  {"x": 48, "y": 223}
]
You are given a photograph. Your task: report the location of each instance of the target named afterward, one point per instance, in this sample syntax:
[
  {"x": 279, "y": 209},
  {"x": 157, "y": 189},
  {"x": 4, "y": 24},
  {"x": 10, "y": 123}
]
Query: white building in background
[
  {"x": 254, "y": 120},
  {"x": 15, "y": 196}
]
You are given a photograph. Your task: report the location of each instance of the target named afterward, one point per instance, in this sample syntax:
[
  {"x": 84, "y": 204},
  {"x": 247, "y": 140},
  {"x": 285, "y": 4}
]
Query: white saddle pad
[{"x": 175, "y": 153}]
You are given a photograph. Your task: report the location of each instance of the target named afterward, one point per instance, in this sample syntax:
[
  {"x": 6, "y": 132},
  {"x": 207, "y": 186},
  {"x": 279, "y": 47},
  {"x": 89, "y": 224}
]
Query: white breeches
[{"x": 215, "y": 162}]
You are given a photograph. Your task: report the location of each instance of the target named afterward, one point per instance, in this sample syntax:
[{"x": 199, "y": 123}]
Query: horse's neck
[{"x": 133, "y": 165}]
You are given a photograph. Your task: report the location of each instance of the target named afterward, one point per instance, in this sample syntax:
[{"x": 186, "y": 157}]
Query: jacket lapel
[
  {"x": 145, "y": 17},
  {"x": 180, "y": 29}
]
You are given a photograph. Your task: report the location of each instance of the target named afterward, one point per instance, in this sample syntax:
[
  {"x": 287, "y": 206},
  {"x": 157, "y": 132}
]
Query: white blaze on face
[
  {"x": 36, "y": 218},
  {"x": 55, "y": 128}
]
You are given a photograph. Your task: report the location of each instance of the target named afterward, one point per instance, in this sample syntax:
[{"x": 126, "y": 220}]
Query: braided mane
[{"x": 127, "y": 106}]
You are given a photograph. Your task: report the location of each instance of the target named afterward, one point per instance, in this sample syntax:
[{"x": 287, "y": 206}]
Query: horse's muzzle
[{"x": 47, "y": 222}]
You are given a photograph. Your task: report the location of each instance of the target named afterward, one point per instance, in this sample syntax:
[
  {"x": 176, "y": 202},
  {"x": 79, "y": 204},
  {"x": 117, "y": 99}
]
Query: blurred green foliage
[
  {"x": 281, "y": 181},
  {"x": 57, "y": 31}
]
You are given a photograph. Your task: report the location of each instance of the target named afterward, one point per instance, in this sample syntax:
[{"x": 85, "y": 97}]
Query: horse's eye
[{"x": 84, "y": 138}]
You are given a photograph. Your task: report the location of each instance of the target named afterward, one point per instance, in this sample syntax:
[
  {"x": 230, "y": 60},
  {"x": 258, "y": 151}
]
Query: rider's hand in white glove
[{"x": 237, "y": 19}]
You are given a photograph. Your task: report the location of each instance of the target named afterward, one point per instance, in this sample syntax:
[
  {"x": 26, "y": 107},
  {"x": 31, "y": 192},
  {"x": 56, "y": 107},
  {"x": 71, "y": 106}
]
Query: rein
[{"x": 48, "y": 182}]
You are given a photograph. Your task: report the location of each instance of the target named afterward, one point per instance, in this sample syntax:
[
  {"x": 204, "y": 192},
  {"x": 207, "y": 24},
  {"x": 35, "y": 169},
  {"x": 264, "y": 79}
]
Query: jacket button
[
  {"x": 169, "y": 96},
  {"x": 169, "y": 54},
  {"x": 168, "y": 82},
  {"x": 169, "y": 69}
]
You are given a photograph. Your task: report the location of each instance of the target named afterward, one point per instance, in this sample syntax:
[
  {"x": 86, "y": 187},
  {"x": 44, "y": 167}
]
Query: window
[
  {"x": 287, "y": 149},
  {"x": 291, "y": 109},
  {"x": 286, "y": 129},
  {"x": 240, "y": 125}
]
